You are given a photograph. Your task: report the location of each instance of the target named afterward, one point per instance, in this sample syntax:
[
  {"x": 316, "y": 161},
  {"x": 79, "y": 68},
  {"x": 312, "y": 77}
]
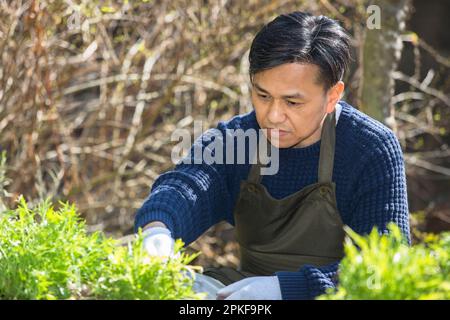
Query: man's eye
[
  {"x": 293, "y": 104},
  {"x": 263, "y": 96}
]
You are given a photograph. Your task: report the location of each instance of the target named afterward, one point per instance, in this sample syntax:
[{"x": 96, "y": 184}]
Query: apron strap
[
  {"x": 254, "y": 175},
  {"x": 256, "y": 165},
  {"x": 327, "y": 145}
]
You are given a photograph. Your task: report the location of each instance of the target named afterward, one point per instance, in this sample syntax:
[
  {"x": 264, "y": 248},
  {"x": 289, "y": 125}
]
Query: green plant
[
  {"x": 47, "y": 254},
  {"x": 385, "y": 267}
]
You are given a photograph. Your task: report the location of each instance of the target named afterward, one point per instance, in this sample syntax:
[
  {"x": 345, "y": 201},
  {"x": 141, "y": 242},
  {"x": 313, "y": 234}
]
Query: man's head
[{"x": 297, "y": 62}]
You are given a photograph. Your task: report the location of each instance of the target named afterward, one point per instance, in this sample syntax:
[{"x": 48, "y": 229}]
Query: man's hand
[
  {"x": 158, "y": 241},
  {"x": 253, "y": 288}
]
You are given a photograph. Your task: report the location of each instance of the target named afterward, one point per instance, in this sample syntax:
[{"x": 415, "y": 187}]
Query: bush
[
  {"x": 47, "y": 254},
  {"x": 385, "y": 267}
]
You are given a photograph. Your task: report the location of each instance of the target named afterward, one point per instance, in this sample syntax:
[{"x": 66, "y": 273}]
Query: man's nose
[{"x": 276, "y": 113}]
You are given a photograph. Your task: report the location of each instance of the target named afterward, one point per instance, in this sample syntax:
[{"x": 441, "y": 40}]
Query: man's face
[{"x": 288, "y": 98}]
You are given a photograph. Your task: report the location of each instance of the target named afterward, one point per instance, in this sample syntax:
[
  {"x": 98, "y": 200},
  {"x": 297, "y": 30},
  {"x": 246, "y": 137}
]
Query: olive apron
[{"x": 286, "y": 234}]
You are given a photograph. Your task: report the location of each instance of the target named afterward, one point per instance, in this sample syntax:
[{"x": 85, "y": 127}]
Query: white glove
[
  {"x": 158, "y": 241},
  {"x": 206, "y": 284},
  {"x": 253, "y": 288}
]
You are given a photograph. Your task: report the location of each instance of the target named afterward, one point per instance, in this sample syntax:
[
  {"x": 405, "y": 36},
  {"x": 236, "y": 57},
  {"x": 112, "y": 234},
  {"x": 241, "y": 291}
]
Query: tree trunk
[{"x": 381, "y": 51}]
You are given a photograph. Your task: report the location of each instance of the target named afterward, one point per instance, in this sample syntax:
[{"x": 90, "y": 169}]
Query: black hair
[{"x": 303, "y": 38}]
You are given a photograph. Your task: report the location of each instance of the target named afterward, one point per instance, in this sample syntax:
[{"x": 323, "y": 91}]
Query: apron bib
[{"x": 286, "y": 234}]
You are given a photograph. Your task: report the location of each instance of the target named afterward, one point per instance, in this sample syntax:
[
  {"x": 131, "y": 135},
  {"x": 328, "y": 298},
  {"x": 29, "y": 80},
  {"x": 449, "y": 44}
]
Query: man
[{"x": 337, "y": 166}]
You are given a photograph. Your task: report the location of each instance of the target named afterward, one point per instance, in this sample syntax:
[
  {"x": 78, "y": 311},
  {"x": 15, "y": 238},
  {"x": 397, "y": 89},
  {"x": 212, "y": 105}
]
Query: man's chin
[{"x": 282, "y": 144}]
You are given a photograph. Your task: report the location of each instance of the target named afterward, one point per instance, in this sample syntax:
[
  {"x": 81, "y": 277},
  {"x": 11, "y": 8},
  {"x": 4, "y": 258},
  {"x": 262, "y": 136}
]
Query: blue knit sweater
[{"x": 368, "y": 172}]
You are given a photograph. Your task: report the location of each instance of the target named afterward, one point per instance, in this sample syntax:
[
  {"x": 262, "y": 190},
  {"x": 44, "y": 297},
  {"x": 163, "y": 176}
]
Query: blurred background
[{"x": 90, "y": 92}]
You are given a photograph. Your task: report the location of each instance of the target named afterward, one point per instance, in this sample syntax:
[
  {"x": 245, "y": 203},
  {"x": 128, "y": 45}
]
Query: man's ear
[{"x": 334, "y": 95}]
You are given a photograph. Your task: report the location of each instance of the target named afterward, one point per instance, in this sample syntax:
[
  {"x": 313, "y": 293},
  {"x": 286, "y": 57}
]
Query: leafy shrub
[
  {"x": 47, "y": 254},
  {"x": 385, "y": 267}
]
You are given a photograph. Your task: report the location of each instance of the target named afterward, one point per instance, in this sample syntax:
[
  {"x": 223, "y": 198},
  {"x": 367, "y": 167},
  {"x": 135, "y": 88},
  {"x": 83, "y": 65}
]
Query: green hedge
[
  {"x": 385, "y": 267},
  {"x": 47, "y": 254}
]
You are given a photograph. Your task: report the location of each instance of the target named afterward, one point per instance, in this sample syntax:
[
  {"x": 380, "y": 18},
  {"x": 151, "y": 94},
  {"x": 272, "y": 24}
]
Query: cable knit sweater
[{"x": 370, "y": 189}]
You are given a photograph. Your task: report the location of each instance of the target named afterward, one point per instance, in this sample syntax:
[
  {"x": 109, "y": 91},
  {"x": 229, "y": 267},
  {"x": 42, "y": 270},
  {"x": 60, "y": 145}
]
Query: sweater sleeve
[
  {"x": 194, "y": 195},
  {"x": 380, "y": 197}
]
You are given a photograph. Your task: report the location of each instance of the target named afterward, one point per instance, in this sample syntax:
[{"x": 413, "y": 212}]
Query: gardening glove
[
  {"x": 158, "y": 241},
  {"x": 253, "y": 288},
  {"x": 205, "y": 284}
]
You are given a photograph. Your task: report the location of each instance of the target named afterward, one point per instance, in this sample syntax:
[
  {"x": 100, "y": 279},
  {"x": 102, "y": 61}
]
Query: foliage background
[{"x": 90, "y": 92}]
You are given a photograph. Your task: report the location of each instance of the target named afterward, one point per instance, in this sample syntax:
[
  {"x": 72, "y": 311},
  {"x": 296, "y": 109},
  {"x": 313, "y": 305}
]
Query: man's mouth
[{"x": 277, "y": 132}]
